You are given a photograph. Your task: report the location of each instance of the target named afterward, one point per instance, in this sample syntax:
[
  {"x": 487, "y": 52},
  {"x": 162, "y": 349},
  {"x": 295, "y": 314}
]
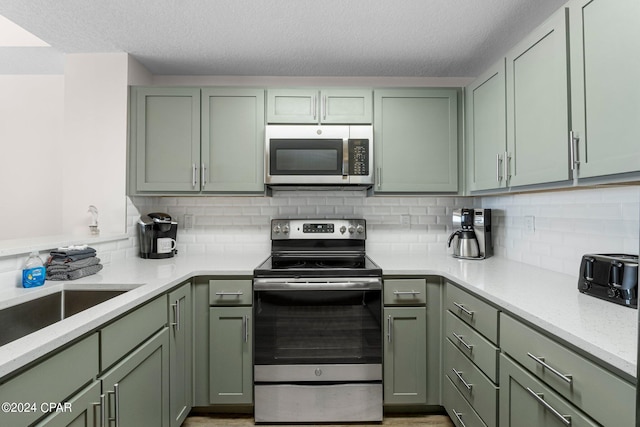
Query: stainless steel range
[{"x": 318, "y": 325}]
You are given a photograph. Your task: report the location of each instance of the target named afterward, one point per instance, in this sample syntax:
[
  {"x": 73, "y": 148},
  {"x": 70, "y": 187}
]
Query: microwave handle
[{"x": 345, "y": 158}]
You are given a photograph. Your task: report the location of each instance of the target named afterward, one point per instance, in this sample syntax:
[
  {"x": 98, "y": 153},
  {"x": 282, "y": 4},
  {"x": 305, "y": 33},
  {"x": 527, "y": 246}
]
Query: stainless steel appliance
[
  {"x": 157, "y": 233},
  {"x": 611, "y": 277},
  {"x": 318, "y": 325},
  {"x": 319, "y": 155},
  {"x": 472, "y": 236}
]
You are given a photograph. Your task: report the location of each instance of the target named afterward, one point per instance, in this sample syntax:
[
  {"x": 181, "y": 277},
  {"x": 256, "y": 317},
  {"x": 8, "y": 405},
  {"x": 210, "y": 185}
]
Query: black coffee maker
[{"x": 157, "y": 234}]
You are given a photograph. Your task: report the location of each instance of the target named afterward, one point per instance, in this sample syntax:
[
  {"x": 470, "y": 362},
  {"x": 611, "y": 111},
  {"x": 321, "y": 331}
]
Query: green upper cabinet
[
  {"x": 416, "y": 140},
  {"x": 167, "y": 139},
  {"x": 537, "y": 105},
  {"x": 192, "y": 140},
  {"x": 487, "y": 129},
  {"x": 232, "y": 140},
  {"x": 605, "y": 101},
  {"x": 319, "y": 106}
]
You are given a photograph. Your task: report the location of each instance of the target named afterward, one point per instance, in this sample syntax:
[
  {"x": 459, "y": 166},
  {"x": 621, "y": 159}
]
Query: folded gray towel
[
  {"x": 75, "y": 274},
  {"x": 58, "y": 266},
  {"x": 73, "y": 254}
]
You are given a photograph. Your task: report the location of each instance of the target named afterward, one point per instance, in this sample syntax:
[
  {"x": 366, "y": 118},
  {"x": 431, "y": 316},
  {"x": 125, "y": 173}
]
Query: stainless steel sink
[{"x": 22, "y": 319}]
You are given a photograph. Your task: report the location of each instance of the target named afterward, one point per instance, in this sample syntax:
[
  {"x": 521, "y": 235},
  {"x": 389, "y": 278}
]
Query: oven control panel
[{"x": 292, "y": 229}]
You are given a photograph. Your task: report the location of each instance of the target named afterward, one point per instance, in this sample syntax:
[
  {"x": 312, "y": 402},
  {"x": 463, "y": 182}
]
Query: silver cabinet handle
[
  {"x": 462, "y": 380},
  {"x": 498, "y": 168},
  {"x": 194, "y": 175},
  {"x": 324, "y": 107},
  {"x": 540, "y": 360},
  {"x": 573, "y": 150},
  {"x": 507, "y": 167},
  {"x": 464, "y": 309},
  {"x": 406, "y": 292},
  {"x": 315, "y": 106},
  {"x": 463, "y": 342},
  {"x": 203, "y": 173},
  {"x": 379, "y": 177},
  {"x": 101, "y": 404},
  {"x": 389, "y": 326},
  {"x": 565, "y": 419},
  {"x": 458, "y": 415},
  {"x": 176, "y": 315},
  {"x": 245, "y": 326},
  {"x": 223, "y": 293}
]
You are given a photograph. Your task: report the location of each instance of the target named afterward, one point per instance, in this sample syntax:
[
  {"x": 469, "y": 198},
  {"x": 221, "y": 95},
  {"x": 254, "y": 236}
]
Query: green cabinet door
[
  {"x": 232, "y": 140},
  {"x": 605, "y": 41},
  {"x": 137, "y": 388},
  {"x": 487, "y": 129},
  {"x": 83, "y": 410},
  {"x": 527, "y": 402},
  {"x": 416, "y": 140},
  {"x": 537, "y": 105},
  {"x": 230, "y": 355},
  {"x": 167, "y": 139},
  {"x": 180, "y": 354},
  {"x": 405, "y": 355},
  {"x": 316, "y": 106}
]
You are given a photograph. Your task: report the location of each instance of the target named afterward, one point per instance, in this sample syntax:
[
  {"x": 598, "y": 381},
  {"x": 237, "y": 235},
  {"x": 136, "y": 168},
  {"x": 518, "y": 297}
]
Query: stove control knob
[
  {"x": 360, "y": 229},
  {"x": 352, "y": 229},
  {"x": 285, "y": 229},
  {"x": 276, "y": 229},
  {"x": 613, "y": 293},
  {"x": 318, "y": 372},
  {"x": 343, "y": 229}
]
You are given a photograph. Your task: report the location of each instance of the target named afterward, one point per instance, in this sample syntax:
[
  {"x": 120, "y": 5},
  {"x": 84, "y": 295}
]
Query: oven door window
[
  {"x": 311, "y": 327},
  {"x": 305, "y": 156}
]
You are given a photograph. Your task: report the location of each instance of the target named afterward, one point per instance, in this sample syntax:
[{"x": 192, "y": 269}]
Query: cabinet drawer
[
  {"x": 405, "y": 292},
  {"x": 526, "y": 401},
  {"x": 230, "y": 292},
  {"x": 477, "y": 348},
  {"x": 51, "y": 380},
  {"x": 479, "y": 314},
  {"x": 460, "y": 412},
  {"x": 579, "y": 380},
  {"x": 479, "y": 391},
  {"x": 125, "y": 334}
]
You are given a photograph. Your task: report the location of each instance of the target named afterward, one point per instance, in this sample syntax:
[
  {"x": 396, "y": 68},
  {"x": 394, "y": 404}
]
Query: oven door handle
[{"x": 284, "y": 285}]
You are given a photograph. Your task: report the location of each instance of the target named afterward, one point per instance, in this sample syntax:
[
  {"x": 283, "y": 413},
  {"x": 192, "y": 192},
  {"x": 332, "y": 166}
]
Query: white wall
[{"x": 31, "y": 164}]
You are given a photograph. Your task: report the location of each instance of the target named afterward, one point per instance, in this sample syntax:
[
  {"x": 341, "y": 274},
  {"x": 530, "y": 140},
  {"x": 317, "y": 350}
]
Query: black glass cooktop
[{"x": 318, "y": 265}]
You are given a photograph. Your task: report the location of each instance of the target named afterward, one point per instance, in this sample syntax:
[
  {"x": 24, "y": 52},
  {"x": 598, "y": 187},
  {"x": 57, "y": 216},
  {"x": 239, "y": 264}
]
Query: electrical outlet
[
  {"x": 188, "y": 221},
  {"x": 529, "y": 224},
  {"x": 406, "y": 221}
]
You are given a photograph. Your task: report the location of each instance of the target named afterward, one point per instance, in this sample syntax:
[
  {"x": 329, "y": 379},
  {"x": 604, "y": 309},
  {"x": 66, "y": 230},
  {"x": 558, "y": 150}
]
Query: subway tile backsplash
[{"x": 566, "y": 224}]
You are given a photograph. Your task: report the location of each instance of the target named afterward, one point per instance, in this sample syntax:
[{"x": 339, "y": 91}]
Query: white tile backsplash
[{"x": 568, "y": 224}]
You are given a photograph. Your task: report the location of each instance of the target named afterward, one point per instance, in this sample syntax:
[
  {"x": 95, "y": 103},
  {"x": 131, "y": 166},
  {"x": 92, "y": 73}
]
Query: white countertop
[{"x": 547, "y": 299}]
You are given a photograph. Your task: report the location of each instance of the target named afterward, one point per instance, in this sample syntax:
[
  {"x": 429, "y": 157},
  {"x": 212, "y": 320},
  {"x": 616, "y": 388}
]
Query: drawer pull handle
[
  {"x": 566, "y": 419},
  {"x": 564, "y": 377},
  {"x": 463, "y": 342},
  {"x": 222, "y": 294},
  {"x": 406, "y": 293},
  {"x": 465, "y": 383},
  {"x": 458, "y": 415},
  {"x": 464, "y": 309}
]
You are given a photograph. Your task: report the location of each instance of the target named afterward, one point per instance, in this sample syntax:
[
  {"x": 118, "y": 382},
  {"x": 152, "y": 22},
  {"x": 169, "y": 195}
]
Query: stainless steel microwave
[{"x": 324, "y": 155}]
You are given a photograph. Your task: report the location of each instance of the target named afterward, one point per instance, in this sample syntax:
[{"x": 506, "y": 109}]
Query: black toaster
[{"x": 611, "y": 277}]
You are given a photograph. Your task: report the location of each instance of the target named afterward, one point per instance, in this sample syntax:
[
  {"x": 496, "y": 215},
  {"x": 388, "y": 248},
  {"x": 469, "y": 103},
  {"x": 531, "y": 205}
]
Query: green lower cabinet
[
  {"x": 137, "y": 388},
  {"x": 230, "y": 355},
  {"x": 527, "y": 402},
  {"x": 405, "y": 355},
  {"x": 180, "y": 354},
  {"x": 82, "y": 410}
]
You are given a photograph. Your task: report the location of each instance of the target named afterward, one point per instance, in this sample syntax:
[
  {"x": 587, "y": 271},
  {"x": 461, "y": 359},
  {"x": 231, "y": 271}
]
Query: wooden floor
[{"x": 211, "y": 420}]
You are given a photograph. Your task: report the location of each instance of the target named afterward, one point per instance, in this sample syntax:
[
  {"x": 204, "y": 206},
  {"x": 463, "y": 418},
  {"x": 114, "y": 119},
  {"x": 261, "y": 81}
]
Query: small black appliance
[
  {"x": 157, "y": 233},
  {"x": 611, "y": 277}
]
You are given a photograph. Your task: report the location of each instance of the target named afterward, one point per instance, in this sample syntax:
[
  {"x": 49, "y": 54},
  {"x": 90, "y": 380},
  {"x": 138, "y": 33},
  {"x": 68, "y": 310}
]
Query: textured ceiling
[{"x": 431, "y": 38}]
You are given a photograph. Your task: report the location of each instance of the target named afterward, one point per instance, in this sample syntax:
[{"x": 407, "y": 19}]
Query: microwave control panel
[{"x": 359, "y": 157}]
